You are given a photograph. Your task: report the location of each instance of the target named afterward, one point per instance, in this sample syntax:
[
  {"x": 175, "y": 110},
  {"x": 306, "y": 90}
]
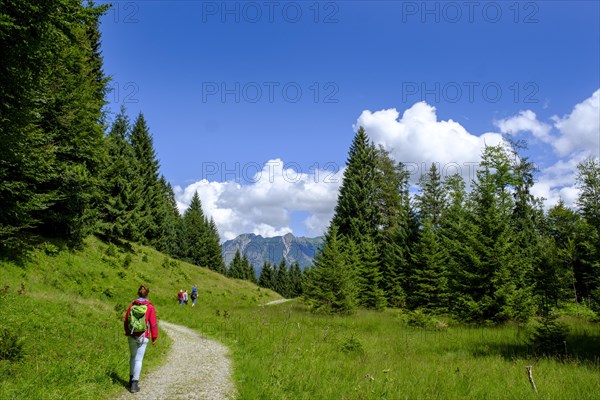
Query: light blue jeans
[{"x": 137, "y": 348}]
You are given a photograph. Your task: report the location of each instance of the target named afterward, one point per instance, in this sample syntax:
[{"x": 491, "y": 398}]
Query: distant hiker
[
  {"x": 140, "y": 324},
  {"x": 185, "y": 298},
  {"x": 180, "y": 296},
  {"x": 194, "y": 295}
]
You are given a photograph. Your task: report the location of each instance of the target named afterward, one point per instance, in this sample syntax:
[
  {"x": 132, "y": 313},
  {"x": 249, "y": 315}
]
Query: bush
[
  {"x": 11, "y": 346},
  {"x": 50, "y": 249},
  {"x": 127, "y": 261},
  {"x": 421, "y": 319},
  {"x": 351, "y": 344},
  {"x": 577, "y": 310},
  {"x": 111, "y": 250},
  {"x": 550, "y": 337}
]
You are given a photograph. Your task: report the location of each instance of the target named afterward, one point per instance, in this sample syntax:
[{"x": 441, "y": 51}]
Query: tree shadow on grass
[
  {"x": 19, "y": 249},
  {"x": 123, "y": 245},
  {"x": 580, "y": 348}
]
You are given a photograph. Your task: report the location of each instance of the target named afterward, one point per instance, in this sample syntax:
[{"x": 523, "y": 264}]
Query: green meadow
[{"x": 62, "y": 337}]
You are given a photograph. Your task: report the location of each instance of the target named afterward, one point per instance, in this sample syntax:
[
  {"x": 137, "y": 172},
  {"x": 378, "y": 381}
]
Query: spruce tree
[
  {"x": 588, "y": 182},
  {"x": 329, "y": 287},
  {"x": 120, "y": 202},
  {"x": 550, "y": 278},
  {"x": 588, "y": 202},
  {"x": 51, "y": 129},
  {"x": 169, "y": 222},
  {"x": 195, "y": 232},
  {"x": 247, "y": 270},
  {"x": 392, "y": 236},
  {"x": 74, "y": 121},
  {"x": 394, "y": 265},
  {"x": 493, "y": 293},
  {"x": 236, "y": 268},
  {"x": 27, "y": 156},
  {"x": 356, "y": 210},
  {"x": 266, "y": 276},
  {"x": 213, "y": 248},
  {"x": 282, "y": 279},
  {"x": 369, "y": 292},
  {"x": 430, "y": 275},
  {"x": 564, "y": 228},
  {"x": 527, "y": 216},
  {"x": 460, "y": 238},
  {"x": 148, "y": 185},
  {"x": 295, "y": 281},
  {"x": 432, "y": 200}
]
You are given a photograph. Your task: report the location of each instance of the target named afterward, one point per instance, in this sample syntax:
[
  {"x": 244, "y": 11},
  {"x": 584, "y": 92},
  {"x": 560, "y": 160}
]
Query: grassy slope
[
  {"x": 279, "y": 352},
  {"x": 70, "y": 315}
]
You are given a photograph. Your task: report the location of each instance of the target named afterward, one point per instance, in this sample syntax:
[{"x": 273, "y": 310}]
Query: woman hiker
[{"x": 140, "y": 325}]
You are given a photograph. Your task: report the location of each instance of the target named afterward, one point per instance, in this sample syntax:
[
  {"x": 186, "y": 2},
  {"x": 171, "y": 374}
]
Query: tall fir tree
[
  {"x": 527, "y": 216},
  {"x": 74, "y": 119},
  {"x": 119, "y": 202},
  {"x": 460, "y": 238},
  {"x": 236, "y": 267},
  {"x": 430, "y": 274},
  {"x": 51, "y": 130},
  {"x": 588, "y": 182},
  {"x": 213, "y": 248},
  {"x": 493, "y": 293},
  {"x": 356, "y": 214},
  {"x": 195, "y": 232},
  {"x": 392, "y": 236},
  {"x": 282, "y": 284},
  {"x": 328, "y": 285},
  {"x": 143, "y": 147},
  {"x": 432, "y": 200},
  {"x": 295, "y": 281},
  {"x": 588, "y": 202},
  {"x": 564, "y": 228},
  {"x": 169, "y": 222},
  {"x": 247, "y": 269},
  {"x": 266, "y": 276},
  {"x": 369, "y": 291}
]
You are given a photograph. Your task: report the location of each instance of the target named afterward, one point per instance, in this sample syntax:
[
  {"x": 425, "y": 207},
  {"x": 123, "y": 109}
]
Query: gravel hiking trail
[
  {"x": 272, "y": 303},
  {"x": 196, "y": 368}
]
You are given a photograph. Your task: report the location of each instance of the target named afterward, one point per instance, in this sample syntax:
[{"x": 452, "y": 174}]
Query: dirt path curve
[
  {"x": 208, "y": 379},
  {"x": 271, "y": 303}
]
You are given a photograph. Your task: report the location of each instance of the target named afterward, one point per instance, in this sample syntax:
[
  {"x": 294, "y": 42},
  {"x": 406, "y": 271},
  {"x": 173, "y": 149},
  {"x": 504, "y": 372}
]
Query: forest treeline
[
  {"x": 491, "y": 253},
  {"x": 65, "y": 172}
]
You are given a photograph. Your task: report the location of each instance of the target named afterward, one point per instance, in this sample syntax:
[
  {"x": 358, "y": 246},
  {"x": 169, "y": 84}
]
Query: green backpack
[{"x": 137, "y": 318}]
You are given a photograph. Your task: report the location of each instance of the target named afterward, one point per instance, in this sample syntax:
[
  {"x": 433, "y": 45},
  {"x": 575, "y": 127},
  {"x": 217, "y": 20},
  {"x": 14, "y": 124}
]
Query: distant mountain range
[{"x": 274, "y": 249}]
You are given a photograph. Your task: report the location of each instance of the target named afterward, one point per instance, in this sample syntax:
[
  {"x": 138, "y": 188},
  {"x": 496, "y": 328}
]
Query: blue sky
[{"x": 254, "y": 104}]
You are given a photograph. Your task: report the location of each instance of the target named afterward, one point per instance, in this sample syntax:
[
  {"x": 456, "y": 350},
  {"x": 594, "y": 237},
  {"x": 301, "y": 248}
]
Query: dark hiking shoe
[
  {"x": 134, "y": 387},
  {"x": 130, "y": 379}
]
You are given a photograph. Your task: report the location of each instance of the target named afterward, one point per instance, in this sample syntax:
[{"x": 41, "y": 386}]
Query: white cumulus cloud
[
  {"x": 419, "y": 139},
  {"x": 265, "y": 206},
  {"x": 526, "y": 121},
  {"x": 580, "y": 130}
]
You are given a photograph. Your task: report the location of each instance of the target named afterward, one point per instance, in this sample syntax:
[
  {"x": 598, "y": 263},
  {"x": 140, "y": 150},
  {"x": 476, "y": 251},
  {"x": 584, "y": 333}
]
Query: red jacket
[{"x": 150, "y": 320}]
